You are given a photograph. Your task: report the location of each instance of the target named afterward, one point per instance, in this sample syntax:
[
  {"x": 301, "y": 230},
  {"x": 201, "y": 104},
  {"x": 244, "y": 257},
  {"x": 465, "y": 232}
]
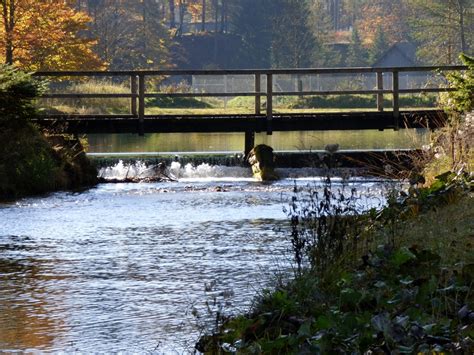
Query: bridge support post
[
  {"x": 141, "y": 104},
  {"x": 379, "y": 94},
  {"x": 249, "y": 142},
  {"x": 396, "y": 102},
  {"x": 269, "y": 103}
]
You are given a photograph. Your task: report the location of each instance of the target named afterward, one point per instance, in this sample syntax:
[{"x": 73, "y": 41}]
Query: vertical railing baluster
[
  {"x": 258, "y": 90},
  {"x": 269, "y": 103},
  {"x": 396, "y": 102},
  {"x": 250, "y": 133},
  {"x": 141, "y": 104},
  {"x": 379, "y": 88},
  {"x": 133, "y": 90}
]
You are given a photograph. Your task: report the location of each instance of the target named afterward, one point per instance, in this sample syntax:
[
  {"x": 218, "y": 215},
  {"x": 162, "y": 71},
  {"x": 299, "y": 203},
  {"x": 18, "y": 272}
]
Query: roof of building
[{"x": 401, "y": 54}]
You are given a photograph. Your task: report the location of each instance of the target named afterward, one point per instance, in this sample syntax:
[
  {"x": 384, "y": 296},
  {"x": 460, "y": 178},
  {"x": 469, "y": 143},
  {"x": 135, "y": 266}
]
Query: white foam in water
[
  {"x": 187, "y": 172},
  {"x": 208, "y": 172},
  {"x": 123, "y": 171}
]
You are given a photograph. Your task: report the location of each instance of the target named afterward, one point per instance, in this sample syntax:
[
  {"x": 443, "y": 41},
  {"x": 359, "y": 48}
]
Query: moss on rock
[{"x": 262, "y": 160}]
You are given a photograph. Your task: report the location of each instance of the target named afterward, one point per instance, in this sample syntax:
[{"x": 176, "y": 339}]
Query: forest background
[{"x": 222, "y": 34}]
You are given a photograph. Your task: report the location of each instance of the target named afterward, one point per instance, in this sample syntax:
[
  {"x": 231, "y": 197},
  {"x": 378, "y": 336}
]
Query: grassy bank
[
  {"x": 400, "y": 280},
  {"x": 34, "y": 162},
  {"x": 395, "y": 280}
]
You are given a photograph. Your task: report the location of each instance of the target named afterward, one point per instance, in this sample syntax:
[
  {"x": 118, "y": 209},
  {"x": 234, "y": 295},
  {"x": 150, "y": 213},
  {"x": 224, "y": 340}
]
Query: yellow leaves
[
  {"x": 195, "y": 9},
  {"x": 375, "y": 17},
  {"x": 47, "y": 36}
]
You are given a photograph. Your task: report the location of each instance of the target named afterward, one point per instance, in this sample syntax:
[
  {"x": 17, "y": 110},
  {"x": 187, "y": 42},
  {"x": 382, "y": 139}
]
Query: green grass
[
  {"x": 217, "y": 105},
  {"x": 409, "y": 289},
  {"x": 447, "y": 231},
  {"x": 248, "y": 111}
]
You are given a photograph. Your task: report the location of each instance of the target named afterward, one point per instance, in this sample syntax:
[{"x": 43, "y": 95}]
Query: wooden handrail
[
  {"x": 138, "y": 92},
  {"x": 352, "y": 70}
]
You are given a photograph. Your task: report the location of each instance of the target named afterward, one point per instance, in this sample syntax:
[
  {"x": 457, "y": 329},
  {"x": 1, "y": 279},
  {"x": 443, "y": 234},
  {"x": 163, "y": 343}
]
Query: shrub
[
  {"x": 17, "y": 92},
  {"x": 177, "y": 102},
  {"x": 461, "y": 100},
  {"x": 28, "y": 163},
  {"x": 323, "y": 222},
  {"x": 361, "y": 101}
]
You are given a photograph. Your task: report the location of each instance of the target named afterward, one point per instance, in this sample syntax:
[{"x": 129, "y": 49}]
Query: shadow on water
[{"x": 118, "y": 267}]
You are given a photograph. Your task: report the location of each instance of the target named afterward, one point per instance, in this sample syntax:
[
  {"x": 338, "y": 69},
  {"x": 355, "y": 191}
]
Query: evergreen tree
[
  {"x": 293, "y": 43},
  {"x": 442, "y": 28},
  {"x": 253, "y": 22},
  {"x": 379, "y": 46},
  {"x": 358, "y": 55}
]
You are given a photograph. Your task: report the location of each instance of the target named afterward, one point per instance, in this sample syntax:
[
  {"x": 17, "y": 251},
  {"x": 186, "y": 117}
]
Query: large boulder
[{"x": 262, "y": 160}]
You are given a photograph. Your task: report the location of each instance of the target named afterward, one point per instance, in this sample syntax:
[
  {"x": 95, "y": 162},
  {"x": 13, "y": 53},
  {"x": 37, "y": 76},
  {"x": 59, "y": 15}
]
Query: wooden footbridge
[{"x": 263, "y": 118}]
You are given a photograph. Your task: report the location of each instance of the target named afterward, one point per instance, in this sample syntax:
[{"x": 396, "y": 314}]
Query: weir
[
  {"x": 383, "y": 83},
  {"x": 317, "y": 163}
]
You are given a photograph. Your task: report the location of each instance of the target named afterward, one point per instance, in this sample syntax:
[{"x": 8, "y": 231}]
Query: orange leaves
[
  {"x": 391, "y": 19},
  {"x": 195, "y": 9},
  {"x": 50, "y": 35}
]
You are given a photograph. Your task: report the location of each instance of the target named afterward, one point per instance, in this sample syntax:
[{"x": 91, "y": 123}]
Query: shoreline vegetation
[
  {"x": 34, "y": 162},
  {"x": 395, "y": 280}
]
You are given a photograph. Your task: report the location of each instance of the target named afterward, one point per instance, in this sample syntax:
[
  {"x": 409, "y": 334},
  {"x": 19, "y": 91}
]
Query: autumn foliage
[
  {"x": 46, "y": 35},
  {"x": 390, "y": 19}
]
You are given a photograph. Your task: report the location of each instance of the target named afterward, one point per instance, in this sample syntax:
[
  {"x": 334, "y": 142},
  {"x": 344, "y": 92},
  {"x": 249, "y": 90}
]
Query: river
[{"x": 124, "y": 267}]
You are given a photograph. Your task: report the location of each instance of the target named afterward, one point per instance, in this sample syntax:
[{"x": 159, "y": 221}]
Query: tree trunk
[
  {"x": 172, "y": 19},
  {"x": 8, "y": 14},
  {"x": 461, "y": 26},
  {"x": 223, "y": 6},
  {"x": 182, "y": 10},
  {"x": 203, "y": 16},
  {"x": 216, "y": 15},
  {"x": 145, "y": 25}
]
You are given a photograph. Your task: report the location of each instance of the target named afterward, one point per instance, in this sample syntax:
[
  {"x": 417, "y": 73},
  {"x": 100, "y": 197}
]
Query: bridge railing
[{"x": 138, "y": 91}]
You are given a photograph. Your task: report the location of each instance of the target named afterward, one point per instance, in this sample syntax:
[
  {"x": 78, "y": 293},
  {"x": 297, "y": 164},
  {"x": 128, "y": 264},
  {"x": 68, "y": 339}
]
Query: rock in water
[
  {"x": 331, "y": 148},
  {"x": 262, "y": 160}
]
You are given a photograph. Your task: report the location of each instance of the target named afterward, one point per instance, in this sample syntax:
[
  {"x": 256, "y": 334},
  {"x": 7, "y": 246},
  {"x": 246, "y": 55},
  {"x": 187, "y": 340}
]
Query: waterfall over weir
[
  {"x": 122, "y": 166},
  {"x": 145, "y": 169}
]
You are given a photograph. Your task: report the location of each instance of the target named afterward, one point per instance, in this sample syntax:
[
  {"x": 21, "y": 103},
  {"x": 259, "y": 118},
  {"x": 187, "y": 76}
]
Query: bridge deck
[{"x": 244, "y": 123}]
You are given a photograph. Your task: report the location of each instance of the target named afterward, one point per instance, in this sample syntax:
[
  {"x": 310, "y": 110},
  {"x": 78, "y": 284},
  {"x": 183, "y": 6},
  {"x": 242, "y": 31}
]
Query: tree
[
  {"x": 203, "y": 16},
  {"x": 443, "y": 29},
  {"x": 293, "y": 43},
  {"x": 357, "y": 53},
  {"x": 8, "y": 17},
  {"x": 388, "y": 15},
  {"x": 42, "y": 35},
  {"x": 379, "y": 46},
  {"x": 253, "y": 21},
  {"x": 131, "y": 34},
  {"x": 321, "y": 25},
  {"x": 172, "y": 14}
]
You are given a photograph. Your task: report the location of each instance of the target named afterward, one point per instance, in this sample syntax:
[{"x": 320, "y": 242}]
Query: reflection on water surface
[
  {"x": 280, "y": 141},
  {"x": 119, "y": 267}
]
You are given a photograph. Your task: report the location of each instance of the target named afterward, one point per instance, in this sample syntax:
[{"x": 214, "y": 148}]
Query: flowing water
[{"x": 123, "y": 267}]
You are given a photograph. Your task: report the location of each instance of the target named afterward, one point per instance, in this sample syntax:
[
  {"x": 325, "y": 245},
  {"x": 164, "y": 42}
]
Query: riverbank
[
  {"x": 395, "y": 280},
  {"x": 34, "y": 162},
  {"x": 403, "y": 283}
]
